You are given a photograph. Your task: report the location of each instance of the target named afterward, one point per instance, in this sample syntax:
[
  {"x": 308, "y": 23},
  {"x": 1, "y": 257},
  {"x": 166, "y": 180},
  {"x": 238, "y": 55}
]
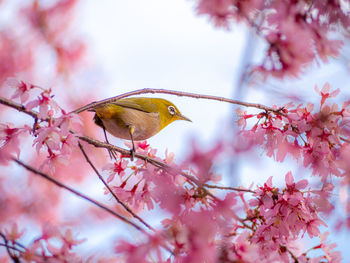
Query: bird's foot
[{"x": 132, "y": 154}]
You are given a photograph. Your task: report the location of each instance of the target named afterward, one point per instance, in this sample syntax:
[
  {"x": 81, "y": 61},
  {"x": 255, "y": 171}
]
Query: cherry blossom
[
  {"x": 181, "y": 211},
  {"x": 313, "y": 137},
  {"x": 22, "y": 89},
  {"x": 9, "y": 141},
  {"x": 296, "y": 33}
]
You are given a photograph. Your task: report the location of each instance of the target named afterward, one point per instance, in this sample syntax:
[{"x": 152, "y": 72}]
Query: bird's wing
[{"x": 134, "y": 103}]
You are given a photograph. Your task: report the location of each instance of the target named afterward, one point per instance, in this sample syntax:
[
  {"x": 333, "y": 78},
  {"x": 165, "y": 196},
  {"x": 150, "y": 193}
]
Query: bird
[{"x": 136, "y": 118}]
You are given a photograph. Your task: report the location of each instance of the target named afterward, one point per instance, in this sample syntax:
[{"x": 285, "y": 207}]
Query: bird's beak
[{"x": 181, "y": 117}]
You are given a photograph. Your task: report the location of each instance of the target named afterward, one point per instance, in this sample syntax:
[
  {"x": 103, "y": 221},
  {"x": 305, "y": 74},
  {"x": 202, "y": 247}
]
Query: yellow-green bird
[{"x": 136, "y": 118}]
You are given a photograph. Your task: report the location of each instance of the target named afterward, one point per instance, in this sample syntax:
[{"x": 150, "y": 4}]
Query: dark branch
[
  {"x": 170, "y": 169},
  {"x": 14, "y": 258},
  {"x": 18, "y": 107},
  {"x": 126, "y": 207},
  {"x": 59, "y": 184},
  {"x": 177, "y": 93},
  {"x": 229, "y": 188}
]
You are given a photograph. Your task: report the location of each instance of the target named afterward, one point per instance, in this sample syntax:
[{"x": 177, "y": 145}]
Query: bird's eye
[{"x": 171, "y": 110}]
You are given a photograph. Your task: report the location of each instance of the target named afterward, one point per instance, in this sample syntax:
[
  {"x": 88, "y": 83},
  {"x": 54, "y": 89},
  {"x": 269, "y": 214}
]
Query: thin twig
[
  {"x": 291, "y": 254},
  {"x": 156, "y": 163},
  {"x": 52, "y": 180},
  {"x": 177, "y": 93},
  {"x": 11, "y": 247},
  {"x": 344, "y": 139},
  {"x": 18, "y": 107},
  {"x": 14, "y": 242},
  {"x": 14, "y": 258},
  {"x": 170, "y": 169},
  {"x": 126, "y": 207},
  {"x": 229, "y": 188}
]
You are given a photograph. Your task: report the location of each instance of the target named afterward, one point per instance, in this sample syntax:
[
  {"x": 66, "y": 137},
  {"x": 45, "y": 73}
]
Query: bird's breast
[{"x": 145, "y": 124}]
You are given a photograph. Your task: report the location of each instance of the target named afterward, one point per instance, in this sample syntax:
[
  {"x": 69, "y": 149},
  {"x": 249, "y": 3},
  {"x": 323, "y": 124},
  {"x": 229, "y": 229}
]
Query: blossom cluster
[
  {"x": 53, "y": 245},
  {"x": 273, "y": 220},
  {"x": 262, "y": 224},
  {"x": 201, "y": 221},
  {"x": 296, "y": 32},
  {"x": 57, "y": 134},
  {"x": 317, "y": 138},
  {"x": 141, "y": 184}
]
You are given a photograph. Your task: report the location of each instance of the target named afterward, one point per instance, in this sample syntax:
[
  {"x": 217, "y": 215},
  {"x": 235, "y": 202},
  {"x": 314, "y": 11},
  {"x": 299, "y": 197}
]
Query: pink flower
[
  {"x": 330, "y": 255},
  {"x": 193, "y": 236},
  {"x": 244, "y": 251},
  {"x": 242, "y": 121},
  {"x": 46, "y": 105},
  {"x": 67, "y": 123},
  {"x": 48, "y": 136},
  {"x": 313, "y": 137},
  {"x": 22, "y": 89},
  {"x": 292, "y": 186},
  {"x": 118, "y": 167},
  {"x": 202, "y": 162},
  {"x": 69, "y": 239},
  {"x": 218, "y": 10},
  {"x": 53, "y": 160},
  {"x": 325, "y": 94},
  {"x": 284, "y": 214},
  {"x": 9, "y": 141},
  {"x": 146, "y": 251},
  {"x": 169, "y": 157},
  {"x": 143, "y": 145},
  {"x": 13, "y": 234}
]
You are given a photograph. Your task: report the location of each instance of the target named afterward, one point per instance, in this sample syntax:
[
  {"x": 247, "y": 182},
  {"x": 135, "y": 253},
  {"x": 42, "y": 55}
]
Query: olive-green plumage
[{"x": 136, "y": 118}]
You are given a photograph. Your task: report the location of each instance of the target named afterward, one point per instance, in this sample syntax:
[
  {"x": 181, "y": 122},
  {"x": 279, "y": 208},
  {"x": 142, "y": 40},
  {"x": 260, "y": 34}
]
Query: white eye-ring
[{"x": 171, "y": 110}]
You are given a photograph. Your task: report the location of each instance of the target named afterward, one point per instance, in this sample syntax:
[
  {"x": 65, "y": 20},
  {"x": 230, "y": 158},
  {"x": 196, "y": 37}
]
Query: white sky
[{"x": 161, "y": 44}]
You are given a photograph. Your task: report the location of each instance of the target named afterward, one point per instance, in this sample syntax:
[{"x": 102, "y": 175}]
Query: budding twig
[
  {"x": 177, "y": 93},
  {"x": 18, "y": 107},
  {"x": 229, "y": 188},
  {"x": 59, "y": 184},
  {"x": 152, "y": 161},
  {"x": 126, "y": 207},
  {"x": 13, "y": 257},
  {"x": 170, "y": 169}
]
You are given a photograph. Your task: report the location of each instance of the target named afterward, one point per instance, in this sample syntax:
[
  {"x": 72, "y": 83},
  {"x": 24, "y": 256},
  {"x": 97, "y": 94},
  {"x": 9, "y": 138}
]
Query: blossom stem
[
  {"x": 8, "y": 249},
  {"x": 344, "y": 139},
  {"x": 18, "y": 107},
  {"x": 126, "y": 207},
  {"x": 59, "y": 184},
  {"x": 156, "y": 163},
  {"x": 291, "y": 254},
  {"x": 177, "y": 93},
  {"x": 229, "y": 188}
]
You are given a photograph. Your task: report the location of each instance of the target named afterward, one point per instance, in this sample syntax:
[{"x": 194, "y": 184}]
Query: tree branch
[
  {"x": 18, "y": 107},
  {"x": 344, "y": 139},
  {"x": 14, "y": 258},
  {"x": 170, "y": 169},
  {"x": 291, "y": 254},
  {"x": 10, "y": 247},
  {"x": 229, "y": 188},
  {"x": 59, "y": 184},
  {"x": 126, "y": 207},
  {"x": 177, "y": 93}
]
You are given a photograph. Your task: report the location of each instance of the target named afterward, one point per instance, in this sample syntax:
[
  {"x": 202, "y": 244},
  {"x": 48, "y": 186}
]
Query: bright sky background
[{"x": 162, "y": 44}]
